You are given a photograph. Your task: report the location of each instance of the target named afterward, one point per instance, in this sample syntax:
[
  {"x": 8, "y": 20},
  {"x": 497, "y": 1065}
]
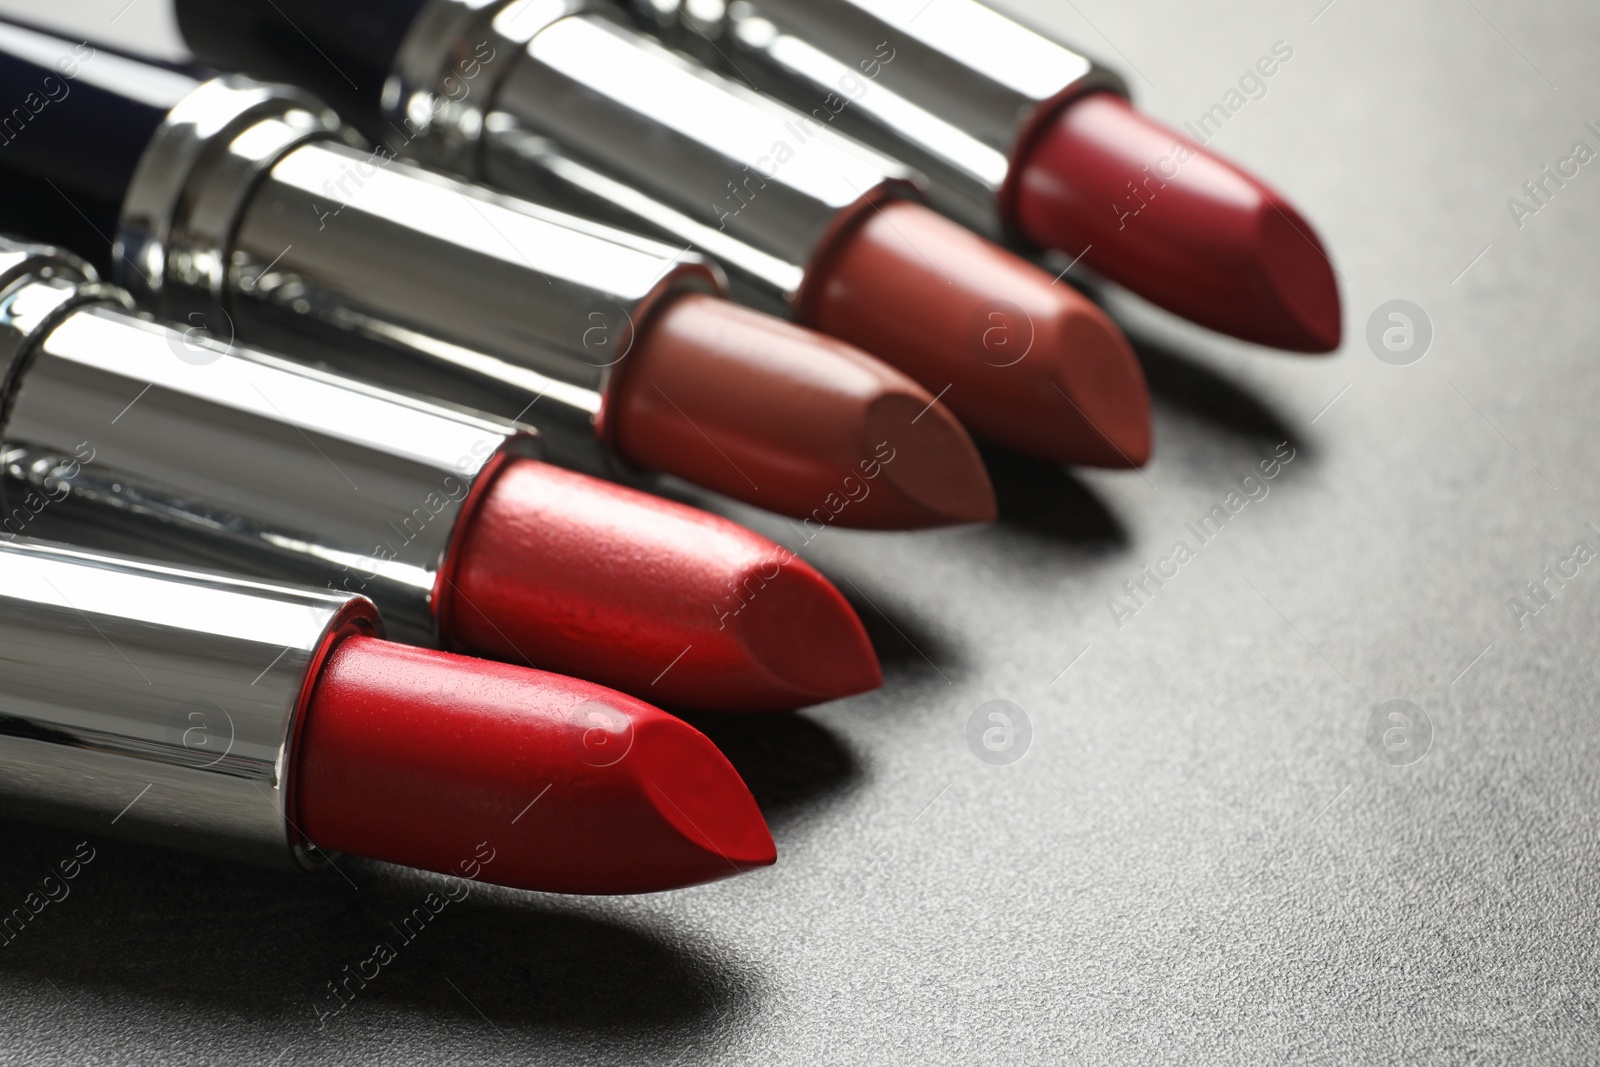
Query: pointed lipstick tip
[
  {"x": 932, "y": 460},
  {"x": 803, "y": 631},
  {"x": 1021, "y": 360},
  {"x": 702, "y": 796},
  {"x": 1303, "y": 279},
  {"x": 656, "y": 598},
  {"x": 1163, "y": 215},
  {"x": 427, "y": 759}
]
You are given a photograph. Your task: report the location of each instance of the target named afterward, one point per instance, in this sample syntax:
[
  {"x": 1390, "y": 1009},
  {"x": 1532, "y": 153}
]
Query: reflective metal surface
[
  {"x": 255, "y": 216},
  {"x": 158, "y": 704},
  {"x": 130, "y": 436},
  {"x": 951, "y": 87},
  {"x": 578, "y": 108}
]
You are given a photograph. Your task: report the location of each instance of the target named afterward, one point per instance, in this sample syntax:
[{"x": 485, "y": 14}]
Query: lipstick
[
  {"x": 273, "y": 724},
  {"x": 128, "y": 436},
  {"x": 569, "y": 104},
  {"x": 250, "y": 210},
  {"x": 1028, "y": 141}
]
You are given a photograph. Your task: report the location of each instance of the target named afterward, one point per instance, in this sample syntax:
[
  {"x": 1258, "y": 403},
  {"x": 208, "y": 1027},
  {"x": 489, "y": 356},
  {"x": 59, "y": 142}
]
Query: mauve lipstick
[
  {"x": 1023, "y": 138},
  {"x": 252, "y": 210},
  {"x": 273, "y": 724},
  {"x": 569, "y": 104},
  {"x": 126, "y": 435}
]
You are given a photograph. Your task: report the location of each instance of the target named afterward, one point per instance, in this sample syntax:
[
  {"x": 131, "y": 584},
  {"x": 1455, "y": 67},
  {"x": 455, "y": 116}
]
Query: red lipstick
[
  {"x": 799, "y": 217},
  {"x": 654, "y": 597},
  {"x": 1154, "y": 211},
  {"x": 129, "y": 436},
  {"x": 415, "y": 757},
  {"x": 1023, "y": 138},
  {"x": 269, "y": 723}
]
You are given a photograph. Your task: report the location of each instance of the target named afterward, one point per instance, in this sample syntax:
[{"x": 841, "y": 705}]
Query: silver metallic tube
[
  {"x": 159, "y": 704},
  {"x": 128, "y": 436},
  {"x": 255, "y": 210},
  {"x": 570, "y": 104},
  {"x": 951, "y": 87}
]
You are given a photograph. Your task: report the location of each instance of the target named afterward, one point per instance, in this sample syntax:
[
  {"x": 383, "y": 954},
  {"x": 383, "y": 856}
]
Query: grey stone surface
[{"x": 1205, "y": 855}]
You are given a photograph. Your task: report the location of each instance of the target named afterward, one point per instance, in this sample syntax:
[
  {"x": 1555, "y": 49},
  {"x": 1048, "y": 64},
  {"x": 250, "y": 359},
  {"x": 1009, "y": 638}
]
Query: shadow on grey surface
[
  {"x": 788, "y": 761},
  {"x": 264, "y": 945},
  {"x": 904, "y": 646},
  {"x": 1179, "y": 383},
  {"x": 1047, "y": 500}
]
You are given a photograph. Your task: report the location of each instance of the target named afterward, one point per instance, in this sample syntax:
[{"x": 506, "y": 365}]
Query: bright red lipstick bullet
[
  {"x": 265, "y": 722},
  {"x": 653, "y": 597},
  {"x": 417, "y": 757}
]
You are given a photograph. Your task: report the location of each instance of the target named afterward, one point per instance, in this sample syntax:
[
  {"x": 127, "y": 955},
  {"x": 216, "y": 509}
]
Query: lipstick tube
[
  {"x": 255, "y": 198},
  {"x": 353, "y": 488},
  {"x": 193, "y": 747},
  {"x": 571, "y": 100},
  {"x": 953, "y": 88},
  {"x": 274, "y": 725}
]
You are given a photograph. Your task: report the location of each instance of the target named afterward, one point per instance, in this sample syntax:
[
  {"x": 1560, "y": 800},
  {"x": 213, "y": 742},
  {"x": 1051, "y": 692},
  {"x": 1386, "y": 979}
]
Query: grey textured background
[{"x": 1200, "y": 858}]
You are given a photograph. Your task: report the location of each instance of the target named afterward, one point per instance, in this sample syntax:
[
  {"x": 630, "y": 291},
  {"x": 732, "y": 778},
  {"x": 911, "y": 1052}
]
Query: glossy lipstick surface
[
  {"x": 1158, "y": 213},
  {"x": 651, "y": 597},
  {"x": 433, "y": 761},
  {"x": 796, "y": 421},
  {"x": 1023, "y": 360}
]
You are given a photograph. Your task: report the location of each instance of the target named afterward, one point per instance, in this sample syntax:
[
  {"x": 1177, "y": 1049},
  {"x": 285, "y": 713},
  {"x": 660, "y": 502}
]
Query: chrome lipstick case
[
  {"x": 158, "y": 704},
  {"x": 255, "y": 211},
  {"x": 951, "y": 87},
  {"x": 124, "y": 435},
  {"x": 570, "y": 104}
]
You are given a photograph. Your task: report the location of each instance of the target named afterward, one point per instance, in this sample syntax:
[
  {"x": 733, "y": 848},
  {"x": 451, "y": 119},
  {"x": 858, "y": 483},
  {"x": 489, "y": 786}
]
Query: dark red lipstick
[
  {"x": 1023, "y": 138},
  {"x": 1154, "y": 211}
]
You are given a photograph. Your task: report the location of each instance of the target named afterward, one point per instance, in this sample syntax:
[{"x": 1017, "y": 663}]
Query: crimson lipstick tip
[
  {"x": 1020, "y": 359},
  {"x": 794, "y": 421},
  {"x": 1170, "y": 220},
  {"x": 811, "y": 640},
  {"x": 649, "y": 596},
  {"x": 515, "y": 777}
]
